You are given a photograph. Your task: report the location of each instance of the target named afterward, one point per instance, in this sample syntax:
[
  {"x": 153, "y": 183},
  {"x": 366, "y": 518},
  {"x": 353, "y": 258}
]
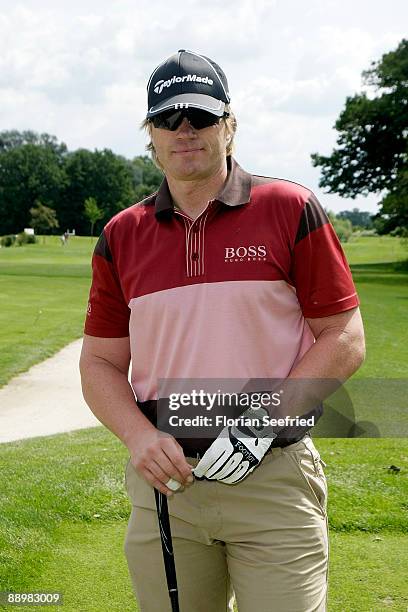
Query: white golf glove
[{"x": 237, "y": 451}]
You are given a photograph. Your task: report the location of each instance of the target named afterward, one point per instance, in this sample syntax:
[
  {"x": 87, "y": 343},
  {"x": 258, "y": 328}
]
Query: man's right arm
[{"x": 104, "y": 366}]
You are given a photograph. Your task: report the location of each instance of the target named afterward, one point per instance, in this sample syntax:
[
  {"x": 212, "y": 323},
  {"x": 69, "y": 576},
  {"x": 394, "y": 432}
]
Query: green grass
[
  {"x": 383, "y": 293},
  {"x": 384, "y": 308},
  {"x": 49, "y": 259},
  {"x": 43, "y": 295},
  {"x": 366, "y": 407},
  {"x": 50, "y": 486},
  {"x": 367, "y": 572},
  {"x": 96, "y": 553},
  {"x": 382, "y": 286},
  {"x": 64, "y": 512},
  {"x": 88, "y": 566},
  {"x": 374, "y": 249}
]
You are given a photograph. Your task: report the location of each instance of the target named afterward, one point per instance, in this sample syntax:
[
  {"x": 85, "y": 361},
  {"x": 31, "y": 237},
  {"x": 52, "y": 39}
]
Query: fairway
[
  {"x": 374, "y": 250},
  {"x": 43, "y": 296}
]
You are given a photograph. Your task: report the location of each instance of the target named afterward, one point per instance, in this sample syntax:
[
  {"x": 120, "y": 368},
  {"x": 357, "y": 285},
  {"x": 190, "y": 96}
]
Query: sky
[{"x": 79, "y": 69}]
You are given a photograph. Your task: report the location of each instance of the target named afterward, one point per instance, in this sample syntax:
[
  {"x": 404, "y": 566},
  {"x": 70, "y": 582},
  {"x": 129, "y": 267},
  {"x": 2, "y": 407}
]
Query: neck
[{"x": 192, "y": 197}]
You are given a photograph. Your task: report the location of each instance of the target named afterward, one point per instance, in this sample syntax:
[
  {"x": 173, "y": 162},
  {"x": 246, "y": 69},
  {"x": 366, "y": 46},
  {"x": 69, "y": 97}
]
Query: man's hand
[
  {"x": 238, "y": 450},
  {"x": 157, "y": 457},
  {"x": 160, "y": 460}
]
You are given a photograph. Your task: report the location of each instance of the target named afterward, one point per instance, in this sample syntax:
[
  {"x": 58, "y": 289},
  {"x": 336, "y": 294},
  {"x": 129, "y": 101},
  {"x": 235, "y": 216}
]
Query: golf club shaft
[{"x": 167, "y": 548}]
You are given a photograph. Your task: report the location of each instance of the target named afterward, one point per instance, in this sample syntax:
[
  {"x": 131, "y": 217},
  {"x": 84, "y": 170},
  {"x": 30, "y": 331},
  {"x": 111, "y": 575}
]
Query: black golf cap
[{"x": 187, "y": 80}]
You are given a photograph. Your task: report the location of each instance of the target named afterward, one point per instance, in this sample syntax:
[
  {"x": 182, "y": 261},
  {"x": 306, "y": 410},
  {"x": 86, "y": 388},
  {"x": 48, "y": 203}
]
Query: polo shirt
[{"x": 224, "y": 296}]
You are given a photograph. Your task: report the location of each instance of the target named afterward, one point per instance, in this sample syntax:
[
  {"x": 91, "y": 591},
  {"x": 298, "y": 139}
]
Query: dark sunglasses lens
[
  {"x": 171, "y": 120},
  {"x": 201, "y": 119}
]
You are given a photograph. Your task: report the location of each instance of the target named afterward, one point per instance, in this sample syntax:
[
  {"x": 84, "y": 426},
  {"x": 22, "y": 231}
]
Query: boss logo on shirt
[{"x": 245, "y": 253}]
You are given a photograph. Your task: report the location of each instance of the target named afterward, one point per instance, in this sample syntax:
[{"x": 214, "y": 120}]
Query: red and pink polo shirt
[{"x": 225, "y": 295}]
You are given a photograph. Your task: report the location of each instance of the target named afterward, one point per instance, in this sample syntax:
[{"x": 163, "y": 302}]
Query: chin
[{"x": 189, "y": 166}]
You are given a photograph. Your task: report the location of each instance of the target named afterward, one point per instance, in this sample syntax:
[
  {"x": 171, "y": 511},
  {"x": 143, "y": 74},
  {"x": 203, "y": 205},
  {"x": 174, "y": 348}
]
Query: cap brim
[{"x": 201, "y": 101}]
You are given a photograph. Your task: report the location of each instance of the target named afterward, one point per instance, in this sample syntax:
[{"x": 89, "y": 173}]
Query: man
[{"x": 219, "y": 275}]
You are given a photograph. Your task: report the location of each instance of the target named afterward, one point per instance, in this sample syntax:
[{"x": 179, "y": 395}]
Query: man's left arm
[{"x": 339, "y": 350}]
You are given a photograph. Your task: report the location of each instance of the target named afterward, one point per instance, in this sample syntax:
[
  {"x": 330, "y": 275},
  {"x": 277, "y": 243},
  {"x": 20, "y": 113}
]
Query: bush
[
  {"x": 24, "y": 238},
  {"x": 366, "y": 232},
  {"x": 399, "y": 231},
  {"x": 343, "y": 228},
  {"x": 7, "y": 241}
]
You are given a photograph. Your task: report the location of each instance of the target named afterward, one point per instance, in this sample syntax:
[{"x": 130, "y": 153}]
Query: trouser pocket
[
  {"x": 309, "y": 465},
  {"x": 140, "y": 493}
]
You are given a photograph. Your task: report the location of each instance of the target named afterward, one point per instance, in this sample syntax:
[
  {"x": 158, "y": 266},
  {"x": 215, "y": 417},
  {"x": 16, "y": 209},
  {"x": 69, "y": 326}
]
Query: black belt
[{"x": 282, "y": 442}]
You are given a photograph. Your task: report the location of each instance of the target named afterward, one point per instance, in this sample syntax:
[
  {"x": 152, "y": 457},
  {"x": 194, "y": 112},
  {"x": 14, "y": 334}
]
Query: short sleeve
[
  {"x": 107, "y": 314},
  {"x": 319, "y": 268}
]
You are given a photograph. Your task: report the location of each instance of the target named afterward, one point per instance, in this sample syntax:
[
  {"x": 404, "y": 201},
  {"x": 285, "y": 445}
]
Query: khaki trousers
[{"x": 264, "y": 539}]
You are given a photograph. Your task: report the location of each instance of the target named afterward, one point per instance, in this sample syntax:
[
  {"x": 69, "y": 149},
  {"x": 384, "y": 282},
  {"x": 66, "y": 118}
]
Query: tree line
[
  {"x": 44, "y": 186},
  {"x": 83, "y": 188}
]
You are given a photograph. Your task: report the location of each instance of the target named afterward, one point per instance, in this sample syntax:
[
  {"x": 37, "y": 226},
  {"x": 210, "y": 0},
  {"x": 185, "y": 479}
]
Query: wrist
[{"x": 140, "y": 429}]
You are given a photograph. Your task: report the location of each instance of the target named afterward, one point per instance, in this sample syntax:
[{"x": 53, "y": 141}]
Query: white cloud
[{"x": 79, "y": 70}]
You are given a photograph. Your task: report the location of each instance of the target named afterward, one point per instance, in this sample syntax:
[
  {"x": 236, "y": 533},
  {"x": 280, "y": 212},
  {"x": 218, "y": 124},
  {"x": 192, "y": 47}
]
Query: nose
[{"x": 185, "y": 127}]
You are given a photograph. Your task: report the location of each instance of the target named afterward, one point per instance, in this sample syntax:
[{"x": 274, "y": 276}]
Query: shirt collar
[{"x": 235, "y": 191}]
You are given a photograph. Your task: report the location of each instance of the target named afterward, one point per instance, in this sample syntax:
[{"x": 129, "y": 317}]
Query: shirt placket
[{"x": 195, "y": 241}]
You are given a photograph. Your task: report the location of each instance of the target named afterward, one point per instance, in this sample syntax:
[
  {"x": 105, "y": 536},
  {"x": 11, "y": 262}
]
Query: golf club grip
[{"x": 167, "y": 548}]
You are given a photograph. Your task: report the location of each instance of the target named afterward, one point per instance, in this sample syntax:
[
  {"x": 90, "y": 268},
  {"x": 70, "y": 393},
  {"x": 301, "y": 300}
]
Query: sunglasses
[{"x": 198, "y": 119}]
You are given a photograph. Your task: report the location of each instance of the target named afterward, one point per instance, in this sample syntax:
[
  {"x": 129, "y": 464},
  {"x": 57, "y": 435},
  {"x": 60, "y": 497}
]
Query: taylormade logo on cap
[{"x": 160, "y": 85}]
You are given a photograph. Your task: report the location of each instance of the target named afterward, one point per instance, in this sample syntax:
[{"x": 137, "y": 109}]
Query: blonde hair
[{"x": 230, "y": 123}]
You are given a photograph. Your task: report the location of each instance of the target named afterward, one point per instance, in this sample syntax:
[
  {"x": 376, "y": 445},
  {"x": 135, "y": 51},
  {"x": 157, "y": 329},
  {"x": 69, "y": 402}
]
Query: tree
[
  {"x": 43, "y": 219},
  {"x": 114, "y": 186},
  {"x": 358, "y": 218},
  {"x": 28, "y": 172},
  {"x": 37, "y": 167},
  {"x": 92, "y": 212},
  {"x": 147, "y": 177},
  {"x": 102, "y": 175},
  {"x": 394, "y": 207},
  {"x": 372, "y": 150},
  {"x": 81, "y": 178},
  {"x": 11, "y": 139},
  {"x": 342, "y": 227}
]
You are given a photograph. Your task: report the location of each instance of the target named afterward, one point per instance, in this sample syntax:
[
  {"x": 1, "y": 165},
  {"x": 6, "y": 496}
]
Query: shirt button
[{"x": 195, "y": 256}]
